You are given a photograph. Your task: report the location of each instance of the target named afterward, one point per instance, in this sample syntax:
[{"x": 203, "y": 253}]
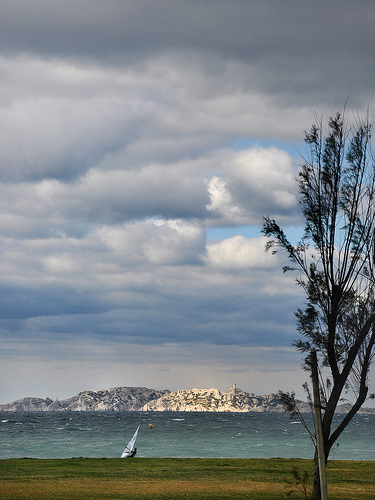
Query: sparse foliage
[
  {"x": 299, "y": 482},
  {"x": 335, "y": 259},
  {"x": 291, "y": 406}
]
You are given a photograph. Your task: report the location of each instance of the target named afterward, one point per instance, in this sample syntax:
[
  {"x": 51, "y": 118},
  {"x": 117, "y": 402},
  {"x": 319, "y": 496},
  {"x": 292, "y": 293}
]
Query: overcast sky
[{"x": 141, "y": 143}]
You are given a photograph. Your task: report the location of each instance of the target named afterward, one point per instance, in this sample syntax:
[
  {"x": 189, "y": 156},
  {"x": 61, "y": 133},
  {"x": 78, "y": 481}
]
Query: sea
[{"x": 174, "y": 434}]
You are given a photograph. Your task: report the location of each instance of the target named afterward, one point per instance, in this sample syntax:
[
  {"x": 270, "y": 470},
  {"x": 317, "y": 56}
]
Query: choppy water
[{"x": 174, "y": 434}]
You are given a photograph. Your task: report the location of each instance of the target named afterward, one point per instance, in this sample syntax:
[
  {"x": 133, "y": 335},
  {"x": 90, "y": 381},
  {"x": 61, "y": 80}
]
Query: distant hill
[
  {"x": 234, "y": 400},
  {"x": 117, "y": 399},
  {"x": 144, "y": 399}
]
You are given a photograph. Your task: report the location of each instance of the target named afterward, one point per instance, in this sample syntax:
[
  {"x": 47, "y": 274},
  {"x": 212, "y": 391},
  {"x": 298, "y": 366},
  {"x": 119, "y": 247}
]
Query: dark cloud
[
  {"x": 294, "y": 49},
  {"x": 113, "y": 197},
  {"x": 159, "y": 310},
  {"x": 48, "y": 300}
]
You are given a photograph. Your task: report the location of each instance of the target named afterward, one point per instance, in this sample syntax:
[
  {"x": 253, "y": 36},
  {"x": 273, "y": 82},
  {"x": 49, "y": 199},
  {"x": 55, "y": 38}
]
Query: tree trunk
[
  {"x": 316, "y": 492},
  {"x": 320, "y": 448}
]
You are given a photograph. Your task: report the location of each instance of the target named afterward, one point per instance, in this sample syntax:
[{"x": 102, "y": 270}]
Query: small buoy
[{"x": 151, "y": 426}]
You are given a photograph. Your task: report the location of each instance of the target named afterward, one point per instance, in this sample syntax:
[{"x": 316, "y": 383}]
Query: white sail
[{"x": 130, "y": 447}]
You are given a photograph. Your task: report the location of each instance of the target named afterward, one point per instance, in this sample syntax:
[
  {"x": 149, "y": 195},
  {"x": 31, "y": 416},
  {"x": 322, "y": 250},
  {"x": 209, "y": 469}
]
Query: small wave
[
  {"x": 178, "y": 419},
  {"x": 3, "y": 421}
]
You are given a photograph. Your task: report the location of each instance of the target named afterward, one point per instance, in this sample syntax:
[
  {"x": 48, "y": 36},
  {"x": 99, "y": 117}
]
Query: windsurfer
[{"x": 130, "y": 450}]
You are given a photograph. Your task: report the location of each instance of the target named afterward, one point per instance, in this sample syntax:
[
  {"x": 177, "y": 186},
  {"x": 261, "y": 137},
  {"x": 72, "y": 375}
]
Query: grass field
[{"x": 163, "y": 478}]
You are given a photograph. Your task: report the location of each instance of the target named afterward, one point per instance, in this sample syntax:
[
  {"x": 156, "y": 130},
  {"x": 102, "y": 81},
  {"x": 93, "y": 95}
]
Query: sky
[{"x": 141, "y": 144}]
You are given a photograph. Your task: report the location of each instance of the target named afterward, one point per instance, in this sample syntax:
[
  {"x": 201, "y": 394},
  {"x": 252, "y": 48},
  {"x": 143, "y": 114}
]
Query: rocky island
[
  {"x": 115, "y": 399},
  {"x": 234, "y": 400},
  {"x": 144, "y": 399}
]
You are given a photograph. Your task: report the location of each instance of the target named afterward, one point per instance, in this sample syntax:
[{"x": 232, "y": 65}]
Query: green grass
[{"x": 171, "y": 478}]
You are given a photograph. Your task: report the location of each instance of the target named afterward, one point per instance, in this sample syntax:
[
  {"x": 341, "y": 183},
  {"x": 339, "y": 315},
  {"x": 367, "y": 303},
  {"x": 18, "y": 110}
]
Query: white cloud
[
  {"x": 223, "y": 206},
  {"x": 160, "y": 242},
  {"x": 239, "y": 252},
  {"x": 62, "y": 119},
  {"x": 254, "y": 182},
  {"x": 175, "y": 242},
  {"x": 263, "y": 177},
  {"x": 61, "y": 123}
]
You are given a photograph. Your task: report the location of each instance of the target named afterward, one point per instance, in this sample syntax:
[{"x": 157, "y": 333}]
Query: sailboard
[{"x": 129, "y": 449}]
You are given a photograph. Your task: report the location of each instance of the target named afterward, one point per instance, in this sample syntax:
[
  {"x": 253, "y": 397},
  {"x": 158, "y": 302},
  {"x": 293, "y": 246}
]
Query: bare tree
[{"x": 336, "y": 262}]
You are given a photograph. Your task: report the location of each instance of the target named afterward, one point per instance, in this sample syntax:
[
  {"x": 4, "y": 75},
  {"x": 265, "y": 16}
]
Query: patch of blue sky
[
  {"x": 293, "y": 233},
  {"x": 295, "y": 150},
  {"x": 223, "y": 233}
]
